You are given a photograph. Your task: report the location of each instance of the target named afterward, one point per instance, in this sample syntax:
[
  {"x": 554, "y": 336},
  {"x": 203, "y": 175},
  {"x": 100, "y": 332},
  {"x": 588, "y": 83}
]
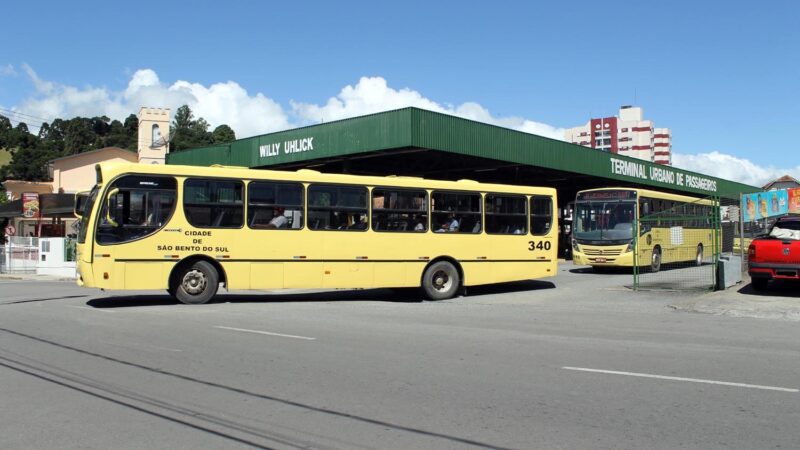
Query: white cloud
[
  {"x": 218, "y": 103},
  {"x": 8, "y": 69},
  {"x": 247, "y": 114},
  {"x": 252, "y": 114},
  {"x": 732, "y": 168},
  {"x": 372, "y": 94}
]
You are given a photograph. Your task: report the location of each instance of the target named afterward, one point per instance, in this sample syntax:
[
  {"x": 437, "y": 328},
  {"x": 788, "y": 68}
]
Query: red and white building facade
[{"x": 628, "y": 134}]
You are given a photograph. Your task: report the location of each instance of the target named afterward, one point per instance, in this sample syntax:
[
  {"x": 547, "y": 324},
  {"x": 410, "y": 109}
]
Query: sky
[{"x": 724, "y": 76}]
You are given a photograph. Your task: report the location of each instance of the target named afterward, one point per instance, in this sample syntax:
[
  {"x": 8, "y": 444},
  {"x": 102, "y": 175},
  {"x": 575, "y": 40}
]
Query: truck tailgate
[{"x": 774, "y": 250}]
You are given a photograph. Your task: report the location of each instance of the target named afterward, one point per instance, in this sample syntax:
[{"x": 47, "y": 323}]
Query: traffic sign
[{"x": 11, "y": 230}]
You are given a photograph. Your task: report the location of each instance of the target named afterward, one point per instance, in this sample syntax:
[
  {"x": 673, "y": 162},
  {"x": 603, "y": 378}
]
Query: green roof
[{"x": 418, "y": 128}]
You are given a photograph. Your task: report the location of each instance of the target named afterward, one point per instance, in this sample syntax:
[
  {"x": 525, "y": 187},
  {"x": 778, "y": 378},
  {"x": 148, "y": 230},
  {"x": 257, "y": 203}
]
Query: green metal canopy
[{"x": 412, "y": 128}]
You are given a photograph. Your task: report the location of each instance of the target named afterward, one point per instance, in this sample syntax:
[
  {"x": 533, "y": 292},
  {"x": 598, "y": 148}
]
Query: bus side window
[
  {"x": 645, "y": 210},
  {"x": 275, "y": 205},
  {"x": 541, "y": 215},
  {"x": 506, "y": 214},
  {"x": 458, "y": 212},
  {"x": 213, "y": 203},
  {"x": 399, "y": 210},
  {"x": 336, "y": 207}
]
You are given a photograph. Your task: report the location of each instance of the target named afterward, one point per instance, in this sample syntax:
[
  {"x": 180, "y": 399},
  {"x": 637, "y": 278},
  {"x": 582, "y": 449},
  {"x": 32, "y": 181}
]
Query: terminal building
[{"x": 421, "y": 143}]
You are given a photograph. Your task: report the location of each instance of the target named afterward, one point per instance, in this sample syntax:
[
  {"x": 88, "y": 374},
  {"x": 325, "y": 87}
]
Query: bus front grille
[{"x": 603, "y": 252}]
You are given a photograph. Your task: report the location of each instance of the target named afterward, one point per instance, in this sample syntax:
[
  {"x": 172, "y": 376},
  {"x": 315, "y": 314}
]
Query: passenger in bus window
[
  {"x": 448, "y": 226},
  {"x": 452, "y": 223},
  {"x": 420, "y": 225},
  {"x": 278, "y": 219}
]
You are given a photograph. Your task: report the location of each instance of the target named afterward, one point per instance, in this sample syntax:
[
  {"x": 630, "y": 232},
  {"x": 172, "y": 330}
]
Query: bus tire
[
  {"x": 441, "y": 281},
  {"x": 699, "y": 258},
  {"x": 655, "y": 260},
  {"x": 196, "y": 283}
]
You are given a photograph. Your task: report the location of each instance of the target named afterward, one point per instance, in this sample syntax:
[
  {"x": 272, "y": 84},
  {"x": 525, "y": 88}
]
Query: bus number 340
[{"x": 540, "y": 245}]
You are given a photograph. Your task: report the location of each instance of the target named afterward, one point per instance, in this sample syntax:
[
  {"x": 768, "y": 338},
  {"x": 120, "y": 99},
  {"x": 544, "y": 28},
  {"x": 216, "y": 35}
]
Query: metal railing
[{"x": 20, "y": 255}]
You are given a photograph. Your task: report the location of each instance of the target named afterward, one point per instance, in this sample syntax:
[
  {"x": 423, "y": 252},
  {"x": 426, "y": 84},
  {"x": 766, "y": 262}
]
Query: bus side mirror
[
  {"x": 110, "y": 195},
  {"x": 80, "y": 204}
]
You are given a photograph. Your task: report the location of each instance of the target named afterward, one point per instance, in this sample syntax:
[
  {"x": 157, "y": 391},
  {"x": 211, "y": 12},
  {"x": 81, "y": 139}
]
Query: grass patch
[{"x": 5, "y": 157}]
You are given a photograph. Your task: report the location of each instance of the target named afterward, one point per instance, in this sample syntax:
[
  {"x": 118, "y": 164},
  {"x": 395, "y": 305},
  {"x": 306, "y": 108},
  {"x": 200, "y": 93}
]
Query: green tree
[
  {"x": 80, "y": 136},
  {"x": 187, "y": 132},
  {"x": 5, "y": 128},
  {"x": 222, "y": 134}
]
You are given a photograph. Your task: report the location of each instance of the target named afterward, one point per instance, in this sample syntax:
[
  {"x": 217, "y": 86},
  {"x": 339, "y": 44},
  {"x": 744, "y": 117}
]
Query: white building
[
  {"x": 153, "y": 135},
  {"x": 628, "y": 134}
]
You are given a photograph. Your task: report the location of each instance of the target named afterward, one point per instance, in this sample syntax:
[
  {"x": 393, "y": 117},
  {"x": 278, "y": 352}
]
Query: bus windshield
[
  {"x": 88, "y": 204},
  {"x": 606, "y": 221}
]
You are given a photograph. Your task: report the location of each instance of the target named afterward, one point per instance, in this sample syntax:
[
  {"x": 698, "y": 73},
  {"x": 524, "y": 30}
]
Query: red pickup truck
[{"x": 776, "y": 256}]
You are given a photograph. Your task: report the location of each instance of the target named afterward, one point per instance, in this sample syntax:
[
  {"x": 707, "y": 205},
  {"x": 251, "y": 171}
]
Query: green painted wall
[{"x": 413, "y": 127}]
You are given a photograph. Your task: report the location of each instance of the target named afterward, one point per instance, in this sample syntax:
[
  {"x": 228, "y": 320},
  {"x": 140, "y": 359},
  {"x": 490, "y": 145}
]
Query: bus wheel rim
[
  {"x": 442, "y": 281},
  {"x": 194, "y": 282}
]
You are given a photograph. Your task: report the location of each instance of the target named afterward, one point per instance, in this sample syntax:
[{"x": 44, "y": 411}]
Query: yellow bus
[
  {"x": 187, "y": 229},
  {"x": 603, "y": 227}
]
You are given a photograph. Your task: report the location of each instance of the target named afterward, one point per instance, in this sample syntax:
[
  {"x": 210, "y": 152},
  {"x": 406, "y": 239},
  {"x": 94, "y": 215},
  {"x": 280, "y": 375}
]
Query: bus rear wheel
[
  {"x": 440, "y": 281},
  {"x": 655, "y": 261},
  {"x": 196, "y": 283}
]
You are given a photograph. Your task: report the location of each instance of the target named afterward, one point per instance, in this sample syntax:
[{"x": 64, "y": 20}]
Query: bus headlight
[
  {"x": 575, "y": 246},
  {"x": 629, "y": 248}
]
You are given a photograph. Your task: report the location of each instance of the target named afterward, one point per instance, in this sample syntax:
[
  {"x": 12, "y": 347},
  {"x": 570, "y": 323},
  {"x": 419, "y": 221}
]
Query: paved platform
[
  {"x": 779, "y": 301},
  {"x": 33, "y": 277}
]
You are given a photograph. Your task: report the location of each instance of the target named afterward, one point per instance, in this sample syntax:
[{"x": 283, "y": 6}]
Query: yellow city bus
[
  {"x": 187, "y": 229},
  {"x": 603, "y": 227}
]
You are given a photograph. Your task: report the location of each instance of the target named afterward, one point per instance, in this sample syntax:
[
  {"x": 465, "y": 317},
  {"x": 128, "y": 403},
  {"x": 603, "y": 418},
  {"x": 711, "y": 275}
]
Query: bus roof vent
[
  {"x": 314, "y": 172},
  {"x": 464, "y": 180}
]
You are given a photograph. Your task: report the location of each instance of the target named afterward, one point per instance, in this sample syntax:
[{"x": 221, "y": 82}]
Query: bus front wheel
[
  {"x": 655, "y": 261},
  {"x": 196, "y": 283},
  {"x": 441, "y": 281}
]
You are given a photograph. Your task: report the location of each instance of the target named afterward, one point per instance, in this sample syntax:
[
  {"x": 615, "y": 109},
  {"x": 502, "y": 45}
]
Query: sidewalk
[
  {"x": 33, "y": 277},
  {"x": 779, "y": 301}
]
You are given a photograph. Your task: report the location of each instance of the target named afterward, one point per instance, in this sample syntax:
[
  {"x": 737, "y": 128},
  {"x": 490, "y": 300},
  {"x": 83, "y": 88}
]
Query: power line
[
  {"x": 21, "y": 114},
  {"x": 29, "y": 125}
]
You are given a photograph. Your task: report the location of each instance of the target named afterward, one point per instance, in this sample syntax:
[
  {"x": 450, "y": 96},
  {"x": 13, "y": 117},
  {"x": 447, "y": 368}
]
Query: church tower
[{"x": 153, "y": 135}]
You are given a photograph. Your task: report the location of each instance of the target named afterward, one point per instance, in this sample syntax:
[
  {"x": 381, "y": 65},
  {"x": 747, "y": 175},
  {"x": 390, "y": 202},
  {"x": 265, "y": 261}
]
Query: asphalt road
[{"x": 576, "y": 361}]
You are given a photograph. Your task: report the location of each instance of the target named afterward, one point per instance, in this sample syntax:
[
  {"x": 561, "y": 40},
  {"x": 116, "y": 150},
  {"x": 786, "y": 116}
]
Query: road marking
[
  {"x": 692, "y": 380},
  {"x": 91, "y": 309},
  {"x": 243, "y": 330}
]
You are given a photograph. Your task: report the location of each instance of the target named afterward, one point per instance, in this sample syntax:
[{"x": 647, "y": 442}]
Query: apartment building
[{"x": 628, "y": 134}]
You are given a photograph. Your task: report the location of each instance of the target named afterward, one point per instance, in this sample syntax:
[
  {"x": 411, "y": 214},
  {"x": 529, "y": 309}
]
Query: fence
[
  {"x": 700, "y": 245},
  {"x": 44, "y": 256},
  {"x": 20, "y": 255},
  {"x": 678, "y": 246}
]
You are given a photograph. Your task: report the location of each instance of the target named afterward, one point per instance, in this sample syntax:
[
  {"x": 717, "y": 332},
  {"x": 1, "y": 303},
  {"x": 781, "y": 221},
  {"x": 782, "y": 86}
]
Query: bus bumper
[
  {"x": 85, "y": 278},
  {"x": 621, "y": 260}
]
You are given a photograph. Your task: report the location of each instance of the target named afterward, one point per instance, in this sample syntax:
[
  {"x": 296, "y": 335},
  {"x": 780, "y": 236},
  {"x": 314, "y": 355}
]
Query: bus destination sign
[{"x": 607, "y": 195}]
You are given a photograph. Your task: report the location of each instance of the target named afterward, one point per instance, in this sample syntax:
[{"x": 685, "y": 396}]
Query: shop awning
[{"x": 53, "y": 205}]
